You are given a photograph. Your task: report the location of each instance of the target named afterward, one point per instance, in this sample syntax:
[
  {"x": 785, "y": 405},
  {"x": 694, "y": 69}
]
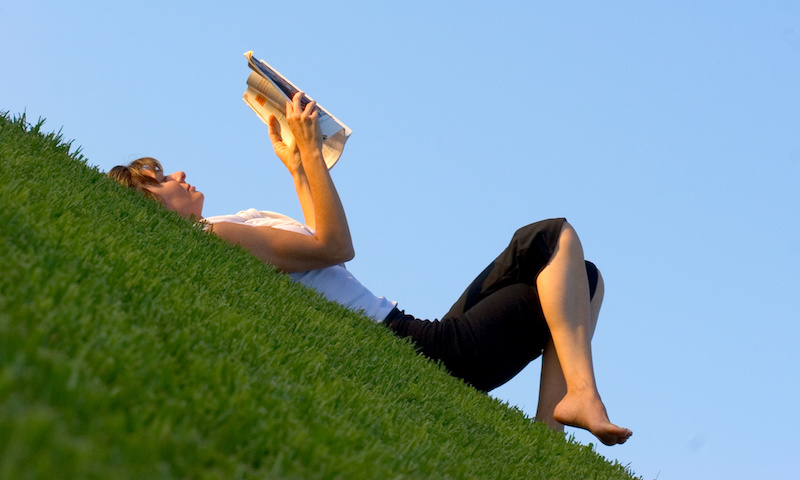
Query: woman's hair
[{"x": 133, "y": 175}]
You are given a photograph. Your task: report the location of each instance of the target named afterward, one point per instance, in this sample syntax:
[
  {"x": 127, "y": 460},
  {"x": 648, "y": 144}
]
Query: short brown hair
[{"x": 133, "y": 175}]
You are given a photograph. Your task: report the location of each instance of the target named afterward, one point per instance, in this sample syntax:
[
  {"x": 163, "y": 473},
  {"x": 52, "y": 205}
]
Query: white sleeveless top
[{"x": 336, "y": 283}]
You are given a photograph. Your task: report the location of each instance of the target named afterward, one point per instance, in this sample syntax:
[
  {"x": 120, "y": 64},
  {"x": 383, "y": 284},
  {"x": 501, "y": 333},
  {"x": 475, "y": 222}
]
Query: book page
[
  {"x": 277, "y": 99},
  {"x": 267, "y": 93}
]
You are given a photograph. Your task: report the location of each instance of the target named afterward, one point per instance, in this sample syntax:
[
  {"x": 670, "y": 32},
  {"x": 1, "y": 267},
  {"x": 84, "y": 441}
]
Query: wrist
[{"x": 312, "y": 155}]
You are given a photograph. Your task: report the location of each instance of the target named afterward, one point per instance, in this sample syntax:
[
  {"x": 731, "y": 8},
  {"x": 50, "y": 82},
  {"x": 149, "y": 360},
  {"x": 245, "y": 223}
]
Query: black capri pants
[{"x": 497, "y": 326}]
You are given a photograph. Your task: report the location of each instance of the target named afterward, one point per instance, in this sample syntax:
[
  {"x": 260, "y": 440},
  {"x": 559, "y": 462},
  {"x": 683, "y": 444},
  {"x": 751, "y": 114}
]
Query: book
[{"x": 267, "y": 93}]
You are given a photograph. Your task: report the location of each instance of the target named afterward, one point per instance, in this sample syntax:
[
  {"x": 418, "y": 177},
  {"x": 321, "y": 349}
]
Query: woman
[{"x": 539, "y": 297}]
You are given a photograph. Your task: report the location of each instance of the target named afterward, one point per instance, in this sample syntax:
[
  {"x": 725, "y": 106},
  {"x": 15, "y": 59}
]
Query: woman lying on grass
[{"x": 539, "y": 297}]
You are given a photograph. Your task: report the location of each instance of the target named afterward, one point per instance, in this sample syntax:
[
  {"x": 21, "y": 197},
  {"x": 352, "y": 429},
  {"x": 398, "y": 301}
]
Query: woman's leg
[
  {"x": 552, "y": 386},
  {"x": 564, "y": 295},
  {"x": 487, "y": 345}
]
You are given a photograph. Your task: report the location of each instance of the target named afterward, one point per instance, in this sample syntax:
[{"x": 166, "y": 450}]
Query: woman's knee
[
  {"x": 569, "y": 231},
  {"x": 569, "y": 239}
]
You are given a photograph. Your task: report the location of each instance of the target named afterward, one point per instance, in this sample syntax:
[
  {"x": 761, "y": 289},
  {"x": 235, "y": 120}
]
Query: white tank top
[{"x": 336, "y": 283}]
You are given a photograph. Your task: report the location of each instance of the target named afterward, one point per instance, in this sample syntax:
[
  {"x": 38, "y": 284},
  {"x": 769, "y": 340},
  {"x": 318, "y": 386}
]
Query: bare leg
[
  {"x": 552, "y": 386},
  {"x": 564, "y": 295}
]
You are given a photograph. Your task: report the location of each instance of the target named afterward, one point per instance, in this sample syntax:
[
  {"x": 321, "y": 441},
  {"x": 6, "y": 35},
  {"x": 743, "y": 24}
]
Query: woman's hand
[
  {"x": 286, "y": 151},
  {"x": 304, "y": 123},
  {"x": 305, "y": 134}
]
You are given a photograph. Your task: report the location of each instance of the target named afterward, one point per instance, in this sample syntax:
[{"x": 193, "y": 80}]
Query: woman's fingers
[
  {"x": 304, "y": 121},
  {"x": 296, "y": 106},
  {"x": 274, "y": 129}
]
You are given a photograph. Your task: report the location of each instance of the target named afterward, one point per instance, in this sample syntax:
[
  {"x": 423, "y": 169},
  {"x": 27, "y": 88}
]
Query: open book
[{"x": 267, "y": 93}]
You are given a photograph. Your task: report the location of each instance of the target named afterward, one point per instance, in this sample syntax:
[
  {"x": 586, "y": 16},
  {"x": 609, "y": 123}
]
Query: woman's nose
[{"x": 178, "y": 176}]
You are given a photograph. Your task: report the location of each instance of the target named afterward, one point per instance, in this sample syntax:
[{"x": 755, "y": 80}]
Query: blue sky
[{"x": 666, "y": 132}]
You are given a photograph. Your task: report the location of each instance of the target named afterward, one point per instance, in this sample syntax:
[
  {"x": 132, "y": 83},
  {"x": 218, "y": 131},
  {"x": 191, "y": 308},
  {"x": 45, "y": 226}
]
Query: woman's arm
[
  {"x": 290, "y": 156},
  {"x": 287, "y": 251},
  {"x": 331, "y": 243}
]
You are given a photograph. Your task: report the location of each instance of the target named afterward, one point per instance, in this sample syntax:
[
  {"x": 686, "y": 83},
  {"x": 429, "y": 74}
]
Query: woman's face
[{"x": 177, "y": 195}]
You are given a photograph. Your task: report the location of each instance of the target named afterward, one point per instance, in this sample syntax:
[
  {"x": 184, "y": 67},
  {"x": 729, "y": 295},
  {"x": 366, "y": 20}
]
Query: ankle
[{"x": 582, "y": 389}]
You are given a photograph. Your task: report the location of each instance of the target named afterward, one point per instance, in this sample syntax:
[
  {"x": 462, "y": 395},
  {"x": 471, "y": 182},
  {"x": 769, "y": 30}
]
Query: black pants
[{"x": 497, "y": 326}]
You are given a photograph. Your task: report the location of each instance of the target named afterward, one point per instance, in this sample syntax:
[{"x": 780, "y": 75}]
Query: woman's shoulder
[
  {"x": 247, "y": 215},
  {"x": 260, "y": 218}
]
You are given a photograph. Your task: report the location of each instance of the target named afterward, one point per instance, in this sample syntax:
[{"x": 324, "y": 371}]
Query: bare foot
[{"x": 588, "y": 412}]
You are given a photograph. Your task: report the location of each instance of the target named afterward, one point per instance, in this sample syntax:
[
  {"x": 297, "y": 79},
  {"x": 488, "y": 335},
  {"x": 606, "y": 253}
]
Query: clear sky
[{"x": 666, "y": 132}]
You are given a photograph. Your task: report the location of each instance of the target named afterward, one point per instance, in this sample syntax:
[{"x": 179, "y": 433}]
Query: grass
[{"x": 134, "y": 345}]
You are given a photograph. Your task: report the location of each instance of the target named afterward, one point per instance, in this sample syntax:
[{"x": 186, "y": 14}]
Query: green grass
[{"x": 134, "y": 345}]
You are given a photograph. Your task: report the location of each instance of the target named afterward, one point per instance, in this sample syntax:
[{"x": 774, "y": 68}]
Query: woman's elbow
[
  {"x": 336, "y": 252},
  {"x": 343, "y": 249},
  {"x": 346, "y": 253}
]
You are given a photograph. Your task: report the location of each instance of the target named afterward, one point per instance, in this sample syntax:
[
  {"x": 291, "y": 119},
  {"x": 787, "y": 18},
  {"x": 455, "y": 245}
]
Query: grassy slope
[{"x": 133, "y": 345}]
